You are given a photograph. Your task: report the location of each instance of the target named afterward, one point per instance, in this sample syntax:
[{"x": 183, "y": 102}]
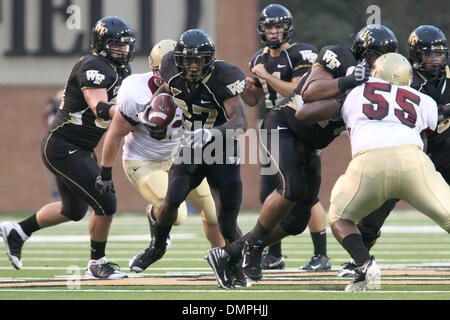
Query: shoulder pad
[
  {"x": 336, "y": 59},
  {"x": 95, "y": 72},
  {"x": 303, "y": 53},
  {"x": 255, "y": 56},
  {"x": 230, "y": 76}
]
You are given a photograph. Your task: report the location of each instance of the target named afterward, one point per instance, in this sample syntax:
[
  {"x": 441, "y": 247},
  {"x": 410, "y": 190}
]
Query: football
[{"x": 162, "y": 110}]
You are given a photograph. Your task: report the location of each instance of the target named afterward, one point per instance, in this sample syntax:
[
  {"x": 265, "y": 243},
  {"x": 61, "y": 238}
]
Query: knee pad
[
  {"x": 75, "y": 212},
  {"x": 297, "y": 219}
]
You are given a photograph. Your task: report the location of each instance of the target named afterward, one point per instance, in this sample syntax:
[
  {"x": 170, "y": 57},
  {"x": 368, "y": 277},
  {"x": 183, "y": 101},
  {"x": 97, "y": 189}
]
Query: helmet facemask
[
  {"x": 428, "y": 51},
  {"x": 194, "y": 67},
  {"x": 121, "y": 51},
  {"x": 264, "y": 27},
  {"x": 431, "y": 62}
]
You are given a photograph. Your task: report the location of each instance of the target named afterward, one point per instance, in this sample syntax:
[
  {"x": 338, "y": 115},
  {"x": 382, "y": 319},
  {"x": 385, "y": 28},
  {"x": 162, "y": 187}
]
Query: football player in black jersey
[
  {"x": 333, "y": 63},
  {"x": 67, "y": 148},
  {"x": 277, "y": 70},
  {"x": 428, "y": 55},
  {"x": 208, "y": 91}
]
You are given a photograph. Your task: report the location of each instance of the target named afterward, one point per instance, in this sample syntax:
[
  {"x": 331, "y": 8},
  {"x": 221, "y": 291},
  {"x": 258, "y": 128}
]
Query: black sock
[
  {"x": 234, "y": 249},
  {"x": 161, "y": 234},
  {"x": 275, "y": 249},
  {"x": 319, "y": 240},
  {"x": 97, "y": 250},
  {"x": 29, "y": 225},
  {"x": 354, "y": 245},
  {"x": 257, "y": 236}
]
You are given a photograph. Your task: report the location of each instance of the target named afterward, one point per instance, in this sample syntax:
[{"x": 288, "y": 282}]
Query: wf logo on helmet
[{"x": 101, "y": 29}]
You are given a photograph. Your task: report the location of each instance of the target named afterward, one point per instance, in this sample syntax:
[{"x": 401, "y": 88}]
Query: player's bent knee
[
  {"x": 297, "y": 220},
  {"x": 368, "y": 234},
  {"x": 75, "y": 213}
]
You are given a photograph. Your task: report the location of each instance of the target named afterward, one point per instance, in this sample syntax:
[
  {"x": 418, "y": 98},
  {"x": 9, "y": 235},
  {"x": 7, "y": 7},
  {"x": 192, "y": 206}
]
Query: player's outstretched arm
[
  {"x": 319, "y": 85},
  {"x": 313, "y": 112},
  {"x": 118, "y": 129}
]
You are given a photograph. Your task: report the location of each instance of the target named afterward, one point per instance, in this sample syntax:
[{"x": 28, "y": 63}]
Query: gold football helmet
[
  {"x": 154, "y": 59},
  {"x": 394, "y": 68},
  {"x": 159, "y": 50}
]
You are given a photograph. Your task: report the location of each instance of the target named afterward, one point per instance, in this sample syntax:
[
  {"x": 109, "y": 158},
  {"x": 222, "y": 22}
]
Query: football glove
[
  {"x": 443, "y": 111},
  {"x": 360, "y": 74},
  {"x": 104, "y": 183},
  {"x": 197, "y": 139}
]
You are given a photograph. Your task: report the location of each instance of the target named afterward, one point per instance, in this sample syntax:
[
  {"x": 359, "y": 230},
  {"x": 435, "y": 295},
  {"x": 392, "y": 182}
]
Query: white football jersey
[
  {"x": 134, "y": 93},
  {"x": 378, "y": 114}
]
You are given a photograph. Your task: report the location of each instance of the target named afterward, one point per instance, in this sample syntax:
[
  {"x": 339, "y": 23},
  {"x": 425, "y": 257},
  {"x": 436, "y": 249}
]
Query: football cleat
[
  {"x": 219, "y": 260},
  {"x": 102, "y": 269},
  {"x": 348, "y": 270},
  {"x": 318, "y": 262},
  {"x": 238, "y": 277},
  {"x": 144, "y": 259},
  {"x": 14, "y": 238},
  {"x": 271, "y": 262},
  {"x": 152, "y": 223},
  {"x": 364, "y": 275},
  {"x": 251, "y": 261}
]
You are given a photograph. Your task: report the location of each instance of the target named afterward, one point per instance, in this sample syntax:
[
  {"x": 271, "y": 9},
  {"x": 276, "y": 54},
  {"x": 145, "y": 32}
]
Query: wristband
[
  {"x": 345, "y": 83},
  {"x": 103, "y": 109},
  {"x": 106, "y": 173}
]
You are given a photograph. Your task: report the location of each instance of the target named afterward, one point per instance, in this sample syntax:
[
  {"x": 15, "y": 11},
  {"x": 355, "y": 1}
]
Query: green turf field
[{"x": 413, "y": 254}]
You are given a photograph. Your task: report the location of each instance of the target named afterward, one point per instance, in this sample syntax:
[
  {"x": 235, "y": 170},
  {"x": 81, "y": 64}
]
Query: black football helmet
[
  {"x": 372, "y": 41},
  {"x": 195, "y": 55},
  {"x": 275, "y": 14},
  {"x": 110, "y": 31},
  {"x": 427, "y": 50}
]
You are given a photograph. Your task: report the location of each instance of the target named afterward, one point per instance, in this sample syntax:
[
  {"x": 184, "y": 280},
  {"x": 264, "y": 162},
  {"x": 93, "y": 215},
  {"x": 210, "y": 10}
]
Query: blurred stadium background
[{"x": 41, "y": 43}]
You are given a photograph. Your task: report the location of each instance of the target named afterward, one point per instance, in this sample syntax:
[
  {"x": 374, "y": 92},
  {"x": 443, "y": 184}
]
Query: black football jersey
[
  {"x": 75, "y": 120},
  {"x": 203, "y": 105},
  {"x": 336, "y": 59},
  {"x": 439, "y": 90},
  {"x": 316, "y": 136},
  {"x": 292, "y": 62}
]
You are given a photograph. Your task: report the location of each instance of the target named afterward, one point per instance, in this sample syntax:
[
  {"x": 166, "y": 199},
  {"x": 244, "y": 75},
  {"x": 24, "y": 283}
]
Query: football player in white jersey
[
  {"x": 385, "y": 119},
  {"x": 147, "y": 155}
]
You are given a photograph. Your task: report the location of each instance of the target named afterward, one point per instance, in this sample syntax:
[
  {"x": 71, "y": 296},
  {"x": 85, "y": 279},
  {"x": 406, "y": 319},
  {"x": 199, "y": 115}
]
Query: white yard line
[{"x": 213, "y": 291}]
